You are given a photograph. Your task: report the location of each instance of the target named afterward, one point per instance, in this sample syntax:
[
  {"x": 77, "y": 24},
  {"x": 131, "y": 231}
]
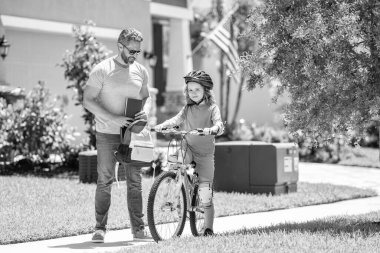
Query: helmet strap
[{"x": 200, "y": 101}]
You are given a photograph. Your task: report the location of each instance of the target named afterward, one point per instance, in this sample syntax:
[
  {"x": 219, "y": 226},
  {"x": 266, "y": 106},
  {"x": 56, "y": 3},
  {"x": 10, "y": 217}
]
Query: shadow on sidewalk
[
  {"x": 334, "y": 226},
  {"x": 91, "y": 245}
]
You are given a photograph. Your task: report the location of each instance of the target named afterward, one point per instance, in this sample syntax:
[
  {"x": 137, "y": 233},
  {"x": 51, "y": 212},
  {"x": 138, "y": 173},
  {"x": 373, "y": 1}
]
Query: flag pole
[{"x": 221, "y": 23}]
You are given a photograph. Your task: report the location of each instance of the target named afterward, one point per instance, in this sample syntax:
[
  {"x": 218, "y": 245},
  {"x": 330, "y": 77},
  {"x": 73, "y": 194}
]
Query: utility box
[
  {"x": 87, "y": 166},
  {"x": 256, "y": 167}
]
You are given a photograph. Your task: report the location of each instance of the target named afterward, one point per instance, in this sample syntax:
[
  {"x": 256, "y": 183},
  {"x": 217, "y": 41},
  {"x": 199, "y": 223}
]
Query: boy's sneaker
[
  {"x": 98, "y": 236},
  {"x": 208, "y": 232},
  {"x": 142, "y": 235}
]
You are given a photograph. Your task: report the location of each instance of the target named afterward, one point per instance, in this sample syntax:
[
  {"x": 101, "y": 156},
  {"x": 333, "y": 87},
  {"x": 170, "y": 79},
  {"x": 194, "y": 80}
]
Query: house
[{"x": 40, "y": 31}]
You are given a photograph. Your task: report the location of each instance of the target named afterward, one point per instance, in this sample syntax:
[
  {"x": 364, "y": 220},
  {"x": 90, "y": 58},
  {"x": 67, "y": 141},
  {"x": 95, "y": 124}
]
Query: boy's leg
[
  {"x": 134, "y": 197},
  {"x": 106, "y": 145},
  {"x": 205, "y": 168},
  {"x": 205, "y": 195}
]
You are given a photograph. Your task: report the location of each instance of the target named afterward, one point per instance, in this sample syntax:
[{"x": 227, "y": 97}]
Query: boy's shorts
[{"x": 205, "y": 163}]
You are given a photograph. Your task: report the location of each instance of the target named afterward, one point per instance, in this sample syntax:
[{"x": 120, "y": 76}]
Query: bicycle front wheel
[
  {"x": 196, "y": 216},
  {"x": 166, "y": 207}
]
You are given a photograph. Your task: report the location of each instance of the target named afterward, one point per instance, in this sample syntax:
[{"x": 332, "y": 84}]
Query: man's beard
[{"x": 127, "y": 60}]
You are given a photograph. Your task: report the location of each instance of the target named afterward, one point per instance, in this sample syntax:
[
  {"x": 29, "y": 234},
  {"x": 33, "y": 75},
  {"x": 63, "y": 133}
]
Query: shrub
[
  {"x": 370, "y": 137},
  {"x": 34, "y": 131}
]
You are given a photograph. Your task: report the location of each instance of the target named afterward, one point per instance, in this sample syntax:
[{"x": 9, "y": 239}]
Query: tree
[
  {"x": 78, "y": 64},
  {"x": 326, "y": 55},
  {"x": 204, "y": 23}
]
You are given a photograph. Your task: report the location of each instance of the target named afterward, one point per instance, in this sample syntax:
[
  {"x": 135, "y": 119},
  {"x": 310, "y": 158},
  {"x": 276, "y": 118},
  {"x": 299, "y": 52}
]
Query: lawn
[
  {"x": 34, "y": 208},
  {"x": 363, "y": 157},
  {"x": 346, "y": 234}
]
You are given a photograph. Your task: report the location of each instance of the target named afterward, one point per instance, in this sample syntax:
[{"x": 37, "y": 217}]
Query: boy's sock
[{"x": 209, "y": 216}]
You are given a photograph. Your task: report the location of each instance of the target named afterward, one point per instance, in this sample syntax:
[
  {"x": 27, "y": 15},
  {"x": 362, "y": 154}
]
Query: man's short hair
[{"x": 129, "y": 34}]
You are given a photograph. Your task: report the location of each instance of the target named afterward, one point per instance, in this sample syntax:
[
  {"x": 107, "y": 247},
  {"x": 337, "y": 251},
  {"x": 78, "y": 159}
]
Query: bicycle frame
[
  {"x": 182, "y": 177},
  {"x": 184, "y": 170}
]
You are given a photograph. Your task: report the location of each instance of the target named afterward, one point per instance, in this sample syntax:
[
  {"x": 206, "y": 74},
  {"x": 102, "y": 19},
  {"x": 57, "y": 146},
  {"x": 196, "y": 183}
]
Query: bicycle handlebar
[{"x": 175, "y": 131}]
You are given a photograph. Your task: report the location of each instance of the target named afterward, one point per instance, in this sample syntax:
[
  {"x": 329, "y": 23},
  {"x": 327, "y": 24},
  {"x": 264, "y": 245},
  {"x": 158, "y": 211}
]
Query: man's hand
[
  {"x": 141, "y": 115},
  {"x": 123, "y": 121}
]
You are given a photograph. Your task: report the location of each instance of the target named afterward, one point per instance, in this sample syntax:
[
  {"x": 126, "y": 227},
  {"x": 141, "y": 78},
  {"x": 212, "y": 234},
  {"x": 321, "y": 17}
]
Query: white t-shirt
[{"x": 116, "y": 83}]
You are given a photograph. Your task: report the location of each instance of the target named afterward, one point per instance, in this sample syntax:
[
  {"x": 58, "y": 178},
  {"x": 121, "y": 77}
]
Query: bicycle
[{"x": 174, "y": 194}]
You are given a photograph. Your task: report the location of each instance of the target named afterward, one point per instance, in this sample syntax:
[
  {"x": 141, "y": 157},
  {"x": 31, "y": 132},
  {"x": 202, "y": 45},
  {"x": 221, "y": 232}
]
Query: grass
[
  {"x": 358, "y": 233},
  {"x": 35, "y": 208},
  {"x": 363, "y": 157}
]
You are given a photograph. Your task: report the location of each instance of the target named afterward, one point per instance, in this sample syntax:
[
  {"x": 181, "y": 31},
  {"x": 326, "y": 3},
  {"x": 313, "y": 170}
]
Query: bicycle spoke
[{"x": 167, "y": 209}]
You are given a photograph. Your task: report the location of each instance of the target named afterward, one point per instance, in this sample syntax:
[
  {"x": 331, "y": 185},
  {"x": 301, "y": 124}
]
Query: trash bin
[
  {"x": 88, "y": 167},
  {"x": 256, "y": 167}
]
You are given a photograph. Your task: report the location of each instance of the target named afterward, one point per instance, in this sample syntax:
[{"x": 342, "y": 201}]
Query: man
[{"x": 110, "y": 83}]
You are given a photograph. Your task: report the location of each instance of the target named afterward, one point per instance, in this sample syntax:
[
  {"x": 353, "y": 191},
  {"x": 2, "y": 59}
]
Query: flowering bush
[
  {"x": 34, "y": 129},
  {"x": 78, "y": 64}
]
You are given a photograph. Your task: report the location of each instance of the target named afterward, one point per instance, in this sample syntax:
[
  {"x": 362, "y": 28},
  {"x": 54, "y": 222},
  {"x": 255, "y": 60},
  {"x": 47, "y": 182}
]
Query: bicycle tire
[
  {"x": 160, "y": 206},
  {"x": 197, "y": 216}
]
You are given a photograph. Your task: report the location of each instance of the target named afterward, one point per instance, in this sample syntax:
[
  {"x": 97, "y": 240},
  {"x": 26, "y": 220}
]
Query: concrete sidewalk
[
  {"x": 340, "y": 175},
  {"x": 358, "y": 177}
]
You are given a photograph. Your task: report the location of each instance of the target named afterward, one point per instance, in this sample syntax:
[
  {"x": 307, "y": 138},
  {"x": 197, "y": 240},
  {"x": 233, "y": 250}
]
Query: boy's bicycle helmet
[{"x": 199, "y": 76}]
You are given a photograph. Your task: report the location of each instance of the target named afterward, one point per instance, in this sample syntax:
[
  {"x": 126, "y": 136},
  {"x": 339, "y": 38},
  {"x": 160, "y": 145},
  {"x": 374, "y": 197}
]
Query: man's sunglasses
[{"x": 133, "y": 52}]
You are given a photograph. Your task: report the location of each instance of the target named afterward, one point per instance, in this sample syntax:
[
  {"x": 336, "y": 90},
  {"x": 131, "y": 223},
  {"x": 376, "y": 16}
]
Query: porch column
[{"x": 179, "y": 64}]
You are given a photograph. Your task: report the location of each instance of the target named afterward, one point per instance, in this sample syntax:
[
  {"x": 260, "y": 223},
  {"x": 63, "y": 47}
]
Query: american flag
[{"x": 221, "y": 37}]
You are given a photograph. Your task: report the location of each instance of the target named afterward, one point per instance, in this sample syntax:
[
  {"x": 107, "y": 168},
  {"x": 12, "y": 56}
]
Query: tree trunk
[
  {"x": 238, "y": 99},
  {"x": 227, "y": 108},
  {"x": 222, "y": 87},
  {"x": 219, "y": 11}
]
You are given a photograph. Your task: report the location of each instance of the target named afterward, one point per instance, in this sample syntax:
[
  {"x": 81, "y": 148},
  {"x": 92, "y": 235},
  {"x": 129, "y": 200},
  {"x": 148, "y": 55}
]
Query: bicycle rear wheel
[
  {"x": 166, "y": 210},
  {"x": 196, "y": 216}
]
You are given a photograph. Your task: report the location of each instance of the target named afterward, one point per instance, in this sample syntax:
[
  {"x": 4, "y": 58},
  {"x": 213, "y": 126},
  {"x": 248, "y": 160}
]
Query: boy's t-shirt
[
  {"x": 116, "y": 83},
  {"x": 198, "y": 116}
]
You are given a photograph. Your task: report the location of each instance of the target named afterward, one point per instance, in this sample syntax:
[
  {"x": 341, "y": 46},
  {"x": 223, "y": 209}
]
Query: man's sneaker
[
  {"x": 208, "y": 232},
  {"x": 142, "y": 235},
  {"x": 98, "y": 236}
]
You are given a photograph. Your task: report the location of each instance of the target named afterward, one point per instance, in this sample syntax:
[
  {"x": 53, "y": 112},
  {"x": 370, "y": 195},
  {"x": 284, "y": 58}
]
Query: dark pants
[{"x": 106, "y": 145}]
